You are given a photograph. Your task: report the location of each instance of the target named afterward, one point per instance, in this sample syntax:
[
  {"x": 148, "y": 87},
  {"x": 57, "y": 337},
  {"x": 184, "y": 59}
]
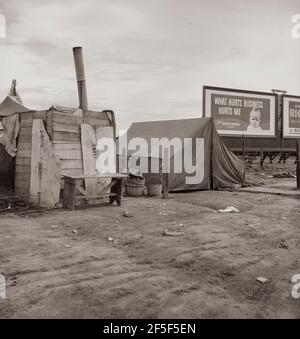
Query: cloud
[{"x": 147, "y": 59}]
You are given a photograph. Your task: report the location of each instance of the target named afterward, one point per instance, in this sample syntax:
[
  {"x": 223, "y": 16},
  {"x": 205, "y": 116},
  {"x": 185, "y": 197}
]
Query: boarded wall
[
  {"x": 23, "y": 157},
  {"x": 64, "y": 132}
]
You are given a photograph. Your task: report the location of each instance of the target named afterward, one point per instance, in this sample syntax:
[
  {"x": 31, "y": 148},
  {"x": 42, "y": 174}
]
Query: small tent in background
[
  {"x": 218, "y": 166},
  {"x": 10, "y": 107}
]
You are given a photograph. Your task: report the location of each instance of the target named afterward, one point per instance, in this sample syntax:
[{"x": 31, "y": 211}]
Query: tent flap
[{"x": 227, "y": 169}]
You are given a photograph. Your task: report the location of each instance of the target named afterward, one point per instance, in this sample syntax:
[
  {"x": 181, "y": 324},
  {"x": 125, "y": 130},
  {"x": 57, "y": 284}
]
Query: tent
[
  {"x": 217, "y": 166},
  {"x": 9, "y": 129}
]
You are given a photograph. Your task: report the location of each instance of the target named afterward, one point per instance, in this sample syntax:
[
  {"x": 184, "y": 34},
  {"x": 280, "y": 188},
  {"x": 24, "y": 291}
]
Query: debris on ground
[
  {"x": 75, "y": 231},
  {"x": 127, "y": 214},
  {"x": 54, "y": 226},
  {"x": 110, "y": 239},
  {"x": 170, "y": 233},
  {"x": 68, "y": 246},
  {"x": 229, "y": 209},
  {"x": 135, "y": 173},
  {"x": 284, "y": 245},
  {"x": 284, "y": 175},
  {"x": 262, "y": 280}
]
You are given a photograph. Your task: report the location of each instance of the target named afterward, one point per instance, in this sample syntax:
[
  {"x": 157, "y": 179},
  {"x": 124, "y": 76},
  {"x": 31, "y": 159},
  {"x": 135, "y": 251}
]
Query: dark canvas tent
[
  {"x": 220, "y": 167},
  {"x": 9, "y": 129}
]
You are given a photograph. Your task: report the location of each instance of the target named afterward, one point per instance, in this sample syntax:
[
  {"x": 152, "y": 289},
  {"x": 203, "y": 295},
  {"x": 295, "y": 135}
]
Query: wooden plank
[
  {"x": 71, "y": 164},
  {"x": 24, "y": 153},
  {"x": 96, "y": 122},
  {"x": 100, "y": 176},
  {"x": 65, "y": 136},
  {"x": 27, "y": 115},
  {"x": 66, "y": 118},
  {"x": 66, "y": 127},
  {"x": 96, "y": 115},
  {"x": 24, "y": 146},
  {"x": 22, "y": 184},
  {"x": 23, "y": 176},
  {"x": 33, "y": 115},
  {"x": 106, "y": 132},
  {"x": 258, "y": 149},
  {"x": 49, "y": 123},
  {"x": 23, "y": 161},
  {"x": 26, "y": 123},
  {"x": 24, "y": 139},
  {"x": 88, "y": 142},
  {"x": 69, "y": 154},
  {"x": 90, "y": 154},
  {"x": 40, "y": 115},
  {"x": 22, "y": 169},
  {"x": 45, "y": 168},
  {"x": 72, "y": 172},
  {"x": 61, "y": 146},
  {"x": 65, "y": 142},
  {"x": 25, "y": 131}
]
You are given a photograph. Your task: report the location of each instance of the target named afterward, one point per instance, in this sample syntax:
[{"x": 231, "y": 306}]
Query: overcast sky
[{"x": 147, "y": 59}]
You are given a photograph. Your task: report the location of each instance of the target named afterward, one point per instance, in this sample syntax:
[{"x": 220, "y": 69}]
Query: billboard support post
[
  {"x": 298, "y": 164},
  {"x": 280, "y": 97},
  {"x": 261, "y": 157},
  {"x": 244, "y": 148}
]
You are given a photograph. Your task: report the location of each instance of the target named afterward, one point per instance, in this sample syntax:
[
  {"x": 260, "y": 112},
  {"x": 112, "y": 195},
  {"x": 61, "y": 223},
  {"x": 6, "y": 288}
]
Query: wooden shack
[
  {"x": 60, "y": 135},
  {"x": 48, "y": 145}
]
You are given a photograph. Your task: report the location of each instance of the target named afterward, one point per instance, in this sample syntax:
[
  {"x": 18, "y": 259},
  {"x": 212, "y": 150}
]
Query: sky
[{"x": 147, "y": 59}]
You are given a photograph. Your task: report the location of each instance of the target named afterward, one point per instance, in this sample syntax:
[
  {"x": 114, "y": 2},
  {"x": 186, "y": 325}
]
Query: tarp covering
[
  {"x": 9, "y": 129},
  {"x": 7, "y": 169},
  {"x": 216, "y": 165},
  {"x": 9, "y": 119},
  {"x": 9, "y": 134},
  {"x": 12, "y": 104}
]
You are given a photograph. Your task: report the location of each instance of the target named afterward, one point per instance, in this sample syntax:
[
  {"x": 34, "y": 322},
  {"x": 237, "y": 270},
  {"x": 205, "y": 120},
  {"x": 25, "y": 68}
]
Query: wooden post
[
  {"x": 69, "y": 193},
  {"x": 119, "y": 191},
  {"x": 261, "y": 158},
  {"x": 298, "y": 164},
  {"x": 165, "y": 185},
  {"x": 244, "y": 148},
  {"x": 165, "y": 171}
]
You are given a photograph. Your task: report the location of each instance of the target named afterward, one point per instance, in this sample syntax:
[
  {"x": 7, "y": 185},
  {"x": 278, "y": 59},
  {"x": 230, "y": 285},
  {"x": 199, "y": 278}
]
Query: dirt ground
[{"x": 117, "y": 267}]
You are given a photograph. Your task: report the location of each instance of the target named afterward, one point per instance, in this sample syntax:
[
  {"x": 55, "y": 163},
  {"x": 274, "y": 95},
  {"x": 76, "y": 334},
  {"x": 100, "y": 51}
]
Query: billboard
[
  {"x": 291, "y": 117},
  {"x": 238, "y": 112}
]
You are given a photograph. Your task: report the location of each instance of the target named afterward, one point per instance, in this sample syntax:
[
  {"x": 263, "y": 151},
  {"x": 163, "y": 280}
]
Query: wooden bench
[{"x": 73, "y": 186}]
